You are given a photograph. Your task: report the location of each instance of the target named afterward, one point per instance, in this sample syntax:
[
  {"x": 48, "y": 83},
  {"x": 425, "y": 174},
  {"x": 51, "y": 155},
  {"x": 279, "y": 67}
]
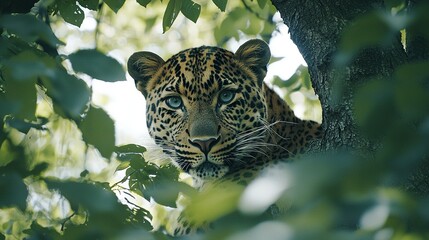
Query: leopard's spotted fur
[{"x": 206, "y": 136}]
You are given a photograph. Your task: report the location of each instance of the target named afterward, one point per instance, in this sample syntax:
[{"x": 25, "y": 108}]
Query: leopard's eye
[
  {"x": 174, "y": 102},
  {"x": 226, "y": 96}
]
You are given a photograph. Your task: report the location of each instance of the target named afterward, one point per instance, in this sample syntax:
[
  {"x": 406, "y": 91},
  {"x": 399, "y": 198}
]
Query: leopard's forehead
[{"x": 199, "y": 73}]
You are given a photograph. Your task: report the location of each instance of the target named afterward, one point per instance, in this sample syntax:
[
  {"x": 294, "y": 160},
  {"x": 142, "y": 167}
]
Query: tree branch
[{"x": 316, "y": 28}]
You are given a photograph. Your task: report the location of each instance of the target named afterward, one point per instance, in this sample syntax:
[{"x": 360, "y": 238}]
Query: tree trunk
[
  {"x": 417, "y": 43},
  {"x": 316, "y": 28},
  {"x": 418, "y": 50}
]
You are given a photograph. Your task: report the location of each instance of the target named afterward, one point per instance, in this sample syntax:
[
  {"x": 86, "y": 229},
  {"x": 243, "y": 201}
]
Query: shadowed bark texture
[{"x": 316, "y": 28}]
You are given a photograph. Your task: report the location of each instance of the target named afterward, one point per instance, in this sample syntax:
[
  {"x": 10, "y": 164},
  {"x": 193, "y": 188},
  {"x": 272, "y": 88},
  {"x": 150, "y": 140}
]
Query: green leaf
[
  {"x": 149, "y": 23},
  {"x": 166, "y": 192},
  {"x": 22, "y": 94},
  {"x": 130, "y": 148},
  {"x": 98, "y": 130},
  {"x": 7, "y": 153},
  {"x": 122, "y": 166},
  {"x": 91, "y": 196},
  {"x": 33, "y": 64},
  {"x": 298, "y": 79},
  {"x": 368, "y": 30},
  {"x": 221, "y": 4},
  {"x": 37, "y": 232},
  {"x": 254, "y": 25},
  {"x": 90, "y": 4},
  {"x": 127, "y": 153},
  {"x": 19, "y": 25},
  {"x": 262, "y": 3},
  {"x": 373, "y": 105},
  {"x": 285, "y": 83},
  {"x": 171, "y": 13},
  {"x": 13, "y": 6},
  {"x": 237, "y": 19},
  {"x": 71, "y": 12},
  {"x": 7, "y": 107},
  {"x": 13, "y": 190},
  {"x": 393, "y": 3},
  {"x": 144, "y": 3},
  {"x": 69, "y": 93},
  {"x": 191, "y": 10},
  {"x": 25, "y": 126},
  {"x": 115, "y": 5},
  {"x": 97, "y": 65},
  {"x": 411, "y": 95}
]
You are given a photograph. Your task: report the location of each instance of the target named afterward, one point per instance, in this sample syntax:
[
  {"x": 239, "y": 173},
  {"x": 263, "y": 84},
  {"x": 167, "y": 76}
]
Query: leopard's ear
[
  {"x": 255, "y": 54},
  {"x": 142, "y": 66}
]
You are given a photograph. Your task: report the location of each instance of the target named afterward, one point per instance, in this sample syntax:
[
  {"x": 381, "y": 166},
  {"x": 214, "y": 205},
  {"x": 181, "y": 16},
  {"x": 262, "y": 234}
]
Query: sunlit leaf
[
  {"x": 98, "y": 130},
  {"x": 150, "y": 23},
  {"x": 6, "y": 153},
  {"x": 300, "y": 78},
  {"x": 71, "y": 12},
  {"x": 18, "y": 24},
  {"x": 214, "y": 202},
  {"x": 152, "y": 181},
  {"x": 166, "y": 192},
  {"x": 122, "y": 166},
  {"x": 237, "y": 19},
  {"x": 171, "y": 13},
  {"x": 191, "y": 10},
  {"x": 267, "y": 31},
  {"x": 221, "y": 4},
  {"x": 254, "y": 26},
  {"x": 115, "y": 5},
  {"x": 97, "y": 65}
]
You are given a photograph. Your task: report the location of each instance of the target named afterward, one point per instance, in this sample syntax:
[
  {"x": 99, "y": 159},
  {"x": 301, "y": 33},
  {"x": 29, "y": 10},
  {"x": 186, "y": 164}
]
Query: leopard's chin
[{"x": 209, "y": 171}]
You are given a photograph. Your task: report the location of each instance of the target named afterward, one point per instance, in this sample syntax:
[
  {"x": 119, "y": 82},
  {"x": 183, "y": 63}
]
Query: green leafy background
[{"x": 67, "y": 172}]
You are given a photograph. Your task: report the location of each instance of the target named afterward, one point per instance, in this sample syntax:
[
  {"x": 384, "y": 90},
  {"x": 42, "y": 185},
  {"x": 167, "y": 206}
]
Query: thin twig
[
  {"x": 97, "y": 27},
  {"x": 66, "y": 220}
]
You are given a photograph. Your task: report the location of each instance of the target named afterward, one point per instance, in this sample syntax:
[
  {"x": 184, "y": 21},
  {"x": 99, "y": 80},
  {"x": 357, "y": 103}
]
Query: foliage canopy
[{"x": 52, "y": 135}]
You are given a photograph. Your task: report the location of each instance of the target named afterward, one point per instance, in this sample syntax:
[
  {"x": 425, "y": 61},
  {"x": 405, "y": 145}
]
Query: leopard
[{"x": 212, "y": 113}]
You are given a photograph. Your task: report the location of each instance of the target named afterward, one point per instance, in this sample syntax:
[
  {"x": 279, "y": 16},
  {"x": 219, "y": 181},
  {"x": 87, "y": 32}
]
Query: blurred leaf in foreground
[
  {"x": 97, "y": 65},
  {"x": 98, "y": 130}
]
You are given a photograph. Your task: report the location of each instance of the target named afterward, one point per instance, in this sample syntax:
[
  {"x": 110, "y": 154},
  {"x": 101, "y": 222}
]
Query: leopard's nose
[{"x": 204, "y": 144}]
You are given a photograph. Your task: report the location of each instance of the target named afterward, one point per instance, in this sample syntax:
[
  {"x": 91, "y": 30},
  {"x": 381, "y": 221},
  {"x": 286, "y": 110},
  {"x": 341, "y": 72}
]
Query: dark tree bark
[
  {"x": 316, "y": 28},
  {"x": 417, "y": 43},
  {"x": 418, "y": 50}
]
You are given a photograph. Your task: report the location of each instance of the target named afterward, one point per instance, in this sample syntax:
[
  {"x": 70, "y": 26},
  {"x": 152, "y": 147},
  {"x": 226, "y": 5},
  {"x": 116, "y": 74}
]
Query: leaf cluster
[{"x": 335, "y": 195}]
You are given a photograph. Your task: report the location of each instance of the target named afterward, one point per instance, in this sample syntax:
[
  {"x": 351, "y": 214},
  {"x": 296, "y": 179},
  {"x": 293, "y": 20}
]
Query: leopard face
[{"x": 205, "y": 105}]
